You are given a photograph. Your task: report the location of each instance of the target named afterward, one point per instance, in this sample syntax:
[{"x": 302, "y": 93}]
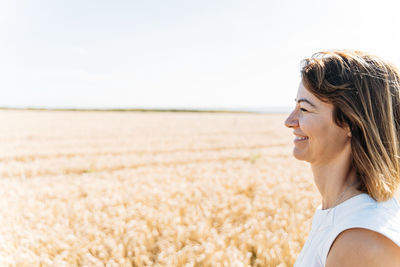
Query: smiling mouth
[{"x": 300, "y": 138}]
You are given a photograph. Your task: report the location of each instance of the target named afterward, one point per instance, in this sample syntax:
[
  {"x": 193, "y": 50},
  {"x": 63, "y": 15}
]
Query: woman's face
[{"x": 318, "y": 139}]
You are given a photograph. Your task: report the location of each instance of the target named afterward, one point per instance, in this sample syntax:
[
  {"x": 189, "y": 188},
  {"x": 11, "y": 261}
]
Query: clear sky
[{"x": 181, "y": 54}]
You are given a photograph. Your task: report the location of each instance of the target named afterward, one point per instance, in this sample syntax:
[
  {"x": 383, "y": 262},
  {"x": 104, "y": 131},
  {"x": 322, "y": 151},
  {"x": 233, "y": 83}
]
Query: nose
[{"x": 292, "y": 121}]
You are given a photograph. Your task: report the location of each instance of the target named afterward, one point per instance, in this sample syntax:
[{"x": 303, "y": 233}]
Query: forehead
[
  {"x": 319, "y": 105},
  {"x": 302, "y": 92}
]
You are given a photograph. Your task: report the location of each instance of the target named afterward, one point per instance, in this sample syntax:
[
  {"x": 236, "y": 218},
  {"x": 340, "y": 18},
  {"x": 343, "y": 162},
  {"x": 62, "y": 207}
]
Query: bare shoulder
[{"x": 363, "y": 247}]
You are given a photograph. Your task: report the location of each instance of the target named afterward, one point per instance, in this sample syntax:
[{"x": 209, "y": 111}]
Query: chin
[{"x": 298, "y": 155}]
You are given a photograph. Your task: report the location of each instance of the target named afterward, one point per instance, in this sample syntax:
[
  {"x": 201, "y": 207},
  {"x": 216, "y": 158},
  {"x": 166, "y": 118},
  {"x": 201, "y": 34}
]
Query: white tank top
[{"x": 360, "y": 211}]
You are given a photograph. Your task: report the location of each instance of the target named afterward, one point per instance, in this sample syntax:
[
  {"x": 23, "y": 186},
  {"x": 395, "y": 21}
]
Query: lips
[{"x": 300, "y": 137}]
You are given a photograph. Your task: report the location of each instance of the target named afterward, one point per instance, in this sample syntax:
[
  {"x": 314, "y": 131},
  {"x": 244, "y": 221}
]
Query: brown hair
[{"x": 365, "y": 93}]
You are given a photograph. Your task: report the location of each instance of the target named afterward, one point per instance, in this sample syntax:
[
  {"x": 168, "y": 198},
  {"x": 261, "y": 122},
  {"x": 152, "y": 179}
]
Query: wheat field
[{"x": 151, "y": 189}]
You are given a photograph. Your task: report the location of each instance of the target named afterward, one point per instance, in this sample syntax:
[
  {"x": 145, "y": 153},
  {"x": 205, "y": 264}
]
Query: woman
[{"x": 347, "y": 126}]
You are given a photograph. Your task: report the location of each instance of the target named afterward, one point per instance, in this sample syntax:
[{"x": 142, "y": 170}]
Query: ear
[{"x": 347, "y": 129}]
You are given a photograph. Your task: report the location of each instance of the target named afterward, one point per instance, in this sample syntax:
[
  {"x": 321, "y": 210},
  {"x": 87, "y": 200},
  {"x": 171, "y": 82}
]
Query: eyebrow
[{"x": 305, "y": 100}]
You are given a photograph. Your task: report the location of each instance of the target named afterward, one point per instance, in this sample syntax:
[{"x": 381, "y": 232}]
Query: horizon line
[{"x": 262, "y": 110}]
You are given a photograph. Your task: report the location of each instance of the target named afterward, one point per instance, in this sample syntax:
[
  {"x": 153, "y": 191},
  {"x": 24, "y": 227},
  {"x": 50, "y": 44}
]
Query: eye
[{"x": 303, "y": 109}]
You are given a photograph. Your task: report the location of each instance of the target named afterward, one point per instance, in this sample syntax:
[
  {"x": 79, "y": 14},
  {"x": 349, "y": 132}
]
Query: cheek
[
  {"x": 307, "y": 126},
  {"x": 319, "y": 132}
]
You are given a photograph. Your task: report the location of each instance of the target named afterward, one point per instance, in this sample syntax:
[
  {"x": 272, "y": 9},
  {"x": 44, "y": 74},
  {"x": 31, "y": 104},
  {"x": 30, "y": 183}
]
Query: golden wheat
[{"x": 150, "y": 189}]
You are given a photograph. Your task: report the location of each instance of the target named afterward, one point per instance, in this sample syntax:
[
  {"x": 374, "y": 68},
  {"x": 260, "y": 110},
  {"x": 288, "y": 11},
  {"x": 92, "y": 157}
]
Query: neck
[{"x": 336, "y": 181}]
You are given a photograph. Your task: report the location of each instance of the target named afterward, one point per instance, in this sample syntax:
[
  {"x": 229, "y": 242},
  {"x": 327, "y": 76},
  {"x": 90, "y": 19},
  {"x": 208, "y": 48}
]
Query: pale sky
[{"x": 177, "y": 54}]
